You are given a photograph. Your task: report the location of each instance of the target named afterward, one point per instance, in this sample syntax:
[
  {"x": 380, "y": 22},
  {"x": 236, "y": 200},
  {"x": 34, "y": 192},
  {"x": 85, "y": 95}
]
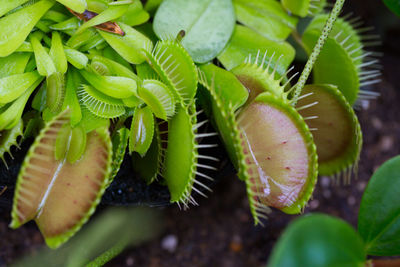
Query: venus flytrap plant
[{"x": 111, "y": 88}]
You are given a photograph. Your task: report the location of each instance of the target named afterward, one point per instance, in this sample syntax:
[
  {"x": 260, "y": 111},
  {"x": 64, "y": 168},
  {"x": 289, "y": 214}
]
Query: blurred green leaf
[
  {"x": 393, "y": 5},
  {"x": 101, "y": 240},
  {"x": 379, "y": 216},
  {"x": 318, "y": 241}
]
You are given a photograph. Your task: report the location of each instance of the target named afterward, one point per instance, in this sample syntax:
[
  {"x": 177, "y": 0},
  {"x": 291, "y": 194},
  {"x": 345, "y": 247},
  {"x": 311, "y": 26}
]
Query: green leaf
[
  {"x": 76, "y": 58},
  {"x": 114, "y": 86},
  {"x": 44, "y": 62},
  {"x": 16, "y": 26},
  {"x": 246, "y": 42},
  {"x": 111, "y": 13},
  {"x": 57, "y": 53},
  {"x": 129, "y": 45},
  {"x": 7, "y": 6},
  {"x": 318, "y": 241},
  {"x": 14, "y": 86},
  {"x": 379, "y": 216},
  {"x": 135, "y": 14},
  {"x": 393, "y": 5},
  {"x": 236, "y": 95},
  {"x": 266, "y": 17},
  {"x": 13, "y": 64},
  {"x": 208, "y": 25},
  {"x": 76, "y": 5}
]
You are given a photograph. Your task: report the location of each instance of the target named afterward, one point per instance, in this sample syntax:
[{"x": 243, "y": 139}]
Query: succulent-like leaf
[
  {"x": 115, "y": 68},
  {"x": 114, "y": 86},
  {"x": 379, "y": 215},
  {"x": 208, "y": 25},
  {"x": 12, "y": 87},
  {"x": 17, "y": 26},
  {"x": 12, "y": 112},
  {"x": 142, "y": 130},
  {"x": 176, "y": 69},
  {"x": 280, "y": 152},
  {"x": 247, "y": 45},
  {"x": 266, "y": 17},
  {"x": 58, "y": 195},
  {"x": 57, "y": 53},
  {"x": 135, "y": 14},
  {"x": 10, "y": 5},
  {"x": 44, "y": 62},
  {"x": 76, "y": 5},
  {"x": 318, "y": 240},
  {"x": 71, "y": 99},
  {"x": 76, "y": 58},
  {"x": 337, "y": 132},
  {"x": 159, "y": 97},
  {"x": 13, "y": 64}
]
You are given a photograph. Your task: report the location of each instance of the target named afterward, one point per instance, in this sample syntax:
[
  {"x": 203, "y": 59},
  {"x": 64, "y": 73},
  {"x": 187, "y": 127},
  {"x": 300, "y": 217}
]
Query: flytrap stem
[{"x": 337, "y": 8}]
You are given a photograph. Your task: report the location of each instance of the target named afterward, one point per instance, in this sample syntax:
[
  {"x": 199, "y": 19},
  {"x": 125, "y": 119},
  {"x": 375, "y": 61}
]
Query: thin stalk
[{"x": 337, "y": 8}]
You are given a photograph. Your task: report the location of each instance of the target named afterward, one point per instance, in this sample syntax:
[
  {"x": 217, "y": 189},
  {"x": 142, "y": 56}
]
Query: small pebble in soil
[
  {"x": 327, "y": 193},
  {"x": 387, "y": 143},
  {"x": 351, "y": 200},
  {"x": 129, "y": 261},
  {"x": 236, "y": 244},
  {"x": 314, "y": 204},
  {"x": 361, "y": 186},
  {"x": 325, "y": 181},
  {"x": 377, "y": 123},
  {"x": 169, "y": 243}
]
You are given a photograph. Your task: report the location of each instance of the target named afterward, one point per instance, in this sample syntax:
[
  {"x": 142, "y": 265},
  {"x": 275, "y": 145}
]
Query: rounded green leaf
[
  {"x": 379, "y": 215},
  {"x": 266, "y": 17},
  {"x": 318, "y": 241},
  {"x": 393, "y": 5},
  {"x": 208, "y": 25}
]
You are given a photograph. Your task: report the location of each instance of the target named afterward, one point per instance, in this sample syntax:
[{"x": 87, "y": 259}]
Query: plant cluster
[{"x": 90, "y": 80}]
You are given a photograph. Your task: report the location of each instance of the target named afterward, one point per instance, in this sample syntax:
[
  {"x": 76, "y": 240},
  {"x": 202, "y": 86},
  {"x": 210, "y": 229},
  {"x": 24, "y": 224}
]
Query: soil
[{"x": 220, "y": 232}]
